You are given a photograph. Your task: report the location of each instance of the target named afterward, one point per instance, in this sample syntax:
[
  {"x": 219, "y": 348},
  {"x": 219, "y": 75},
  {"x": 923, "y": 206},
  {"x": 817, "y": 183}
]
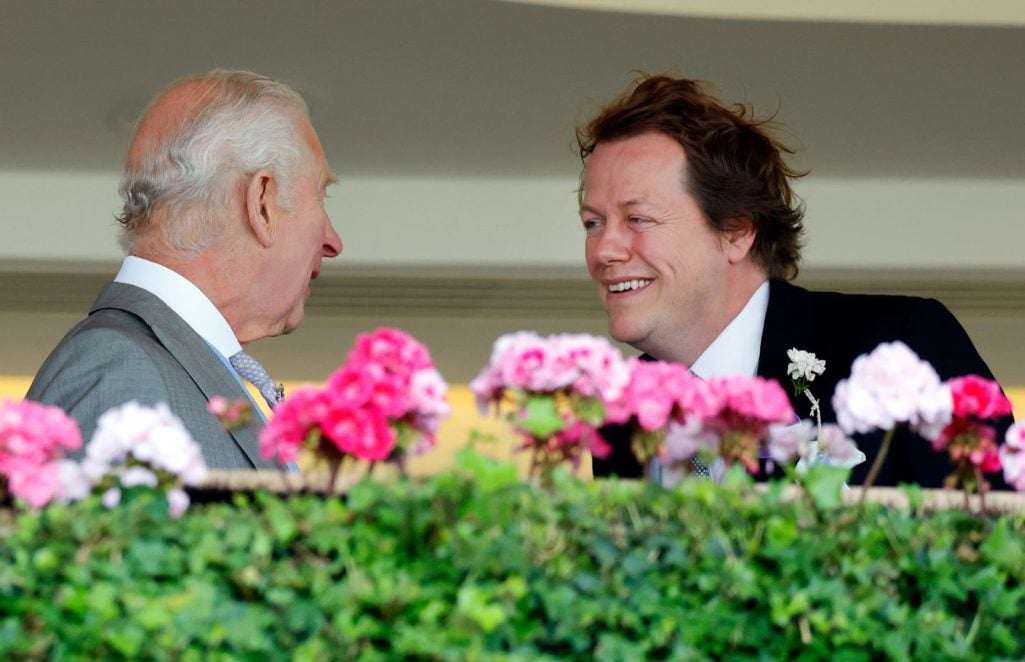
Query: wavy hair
[{"x": 735, "y": 169}]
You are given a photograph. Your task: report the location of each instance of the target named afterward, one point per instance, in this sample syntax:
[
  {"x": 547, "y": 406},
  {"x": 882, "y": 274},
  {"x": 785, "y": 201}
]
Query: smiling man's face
[{"x": 660, "y": 269}]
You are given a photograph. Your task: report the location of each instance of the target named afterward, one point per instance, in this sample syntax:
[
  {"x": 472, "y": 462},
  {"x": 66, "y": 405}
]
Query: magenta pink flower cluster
[
  {"x": 579, "y": 363},
  {"x": 729, "y": 417},
  {"x": 386, "y": 397},
  {"x": 560, "y": 383},
  {"x": 33, "y": 439},
  {"x": 968, "y": 437}
]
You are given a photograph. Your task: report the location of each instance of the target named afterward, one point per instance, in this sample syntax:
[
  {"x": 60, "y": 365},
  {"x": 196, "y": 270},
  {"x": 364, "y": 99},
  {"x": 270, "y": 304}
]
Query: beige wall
[{"x": 865, "y": 223}]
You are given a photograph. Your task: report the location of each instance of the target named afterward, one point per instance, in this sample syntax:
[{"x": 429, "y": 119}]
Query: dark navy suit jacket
[{"x": 838, "y": 328}]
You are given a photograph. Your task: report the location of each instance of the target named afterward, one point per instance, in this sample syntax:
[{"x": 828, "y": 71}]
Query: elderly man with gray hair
[{"x": 224, "y": 228}]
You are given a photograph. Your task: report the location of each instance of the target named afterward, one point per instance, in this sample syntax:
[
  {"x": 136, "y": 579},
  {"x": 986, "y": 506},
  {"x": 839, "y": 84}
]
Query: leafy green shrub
[{"x": 480, "y": 565}]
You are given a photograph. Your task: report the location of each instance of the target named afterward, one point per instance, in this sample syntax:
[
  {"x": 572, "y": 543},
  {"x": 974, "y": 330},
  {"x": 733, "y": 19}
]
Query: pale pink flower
[
  {"x": 891, "y": 385},
  {"x": 685, "y": 440},
  {"x": 38, "y": 486},
  {"x": 587, "y": 365},
  {"x": 429, "y": 403},
  {"x": 177, "y": 502},
  {"x": 595, "y": 368},
  {"x": 786, "y": 442},
  {"x": 75, "y": 484},
  {"x": 217, "y": 405},
  {"x": 839, "y": 448},
  {"x": 1012, "y": 456},
  {"x": 232, "y": 414},
  {"x": 111, "y": 498}
]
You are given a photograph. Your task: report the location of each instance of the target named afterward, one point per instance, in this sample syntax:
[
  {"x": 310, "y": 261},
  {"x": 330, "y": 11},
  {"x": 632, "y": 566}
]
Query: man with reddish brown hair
[{"x": 692, "y": 234}]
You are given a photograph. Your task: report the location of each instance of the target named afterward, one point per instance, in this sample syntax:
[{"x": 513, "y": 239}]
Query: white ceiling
[{"x": 481, "y": 88}]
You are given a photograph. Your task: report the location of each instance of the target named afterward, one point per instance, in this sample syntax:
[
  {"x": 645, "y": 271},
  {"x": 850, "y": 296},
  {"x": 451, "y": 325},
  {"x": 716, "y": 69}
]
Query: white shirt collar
[
  {"x": 736, "y": 350},
  {"x": 184, "y": 298}
]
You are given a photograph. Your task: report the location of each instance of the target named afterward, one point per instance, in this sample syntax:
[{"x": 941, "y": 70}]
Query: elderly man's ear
[
  {"x": 738, "y": 239},
  {"x": 262, "y": 208}
]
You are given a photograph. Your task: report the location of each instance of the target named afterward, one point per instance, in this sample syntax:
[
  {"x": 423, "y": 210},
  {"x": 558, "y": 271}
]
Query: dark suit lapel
[
  {"x": 787, "y": 325},
  {"x": 190, "y": 350}
]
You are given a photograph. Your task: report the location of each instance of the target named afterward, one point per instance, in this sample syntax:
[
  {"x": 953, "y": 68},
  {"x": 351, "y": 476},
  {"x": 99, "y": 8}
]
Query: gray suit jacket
[{"x": 133, "y": 347}]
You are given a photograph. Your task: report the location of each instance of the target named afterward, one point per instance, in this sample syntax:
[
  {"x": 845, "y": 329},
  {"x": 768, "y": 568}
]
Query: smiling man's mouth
[{"x": 628, "y": 285}]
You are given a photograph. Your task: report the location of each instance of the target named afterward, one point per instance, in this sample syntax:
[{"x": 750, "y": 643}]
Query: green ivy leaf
[
  {"x": 1004, "y": 550},
  {"x": 589, "y": 410},
  {"x": 540, "y": 416},
  {"x": 473, "y": 603},
  {"x": 825, "y": 484}
]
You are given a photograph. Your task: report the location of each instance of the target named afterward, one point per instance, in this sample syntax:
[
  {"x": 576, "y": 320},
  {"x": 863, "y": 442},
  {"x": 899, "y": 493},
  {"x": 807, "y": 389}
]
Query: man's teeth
[{"x": 629, "y": 285}]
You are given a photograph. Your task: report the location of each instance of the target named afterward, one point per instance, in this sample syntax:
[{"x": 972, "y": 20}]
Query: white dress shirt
[
  {"x": 735, "y": 351},
  {"x": 184, "y": 298}
]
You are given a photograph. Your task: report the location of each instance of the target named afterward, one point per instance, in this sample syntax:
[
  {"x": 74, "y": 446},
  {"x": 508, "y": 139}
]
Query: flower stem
[
  {"x": 335, "y": 465},
  {"x": 981, "y": 487},
  {"x": 818, "y": 425},
  {"x": 877, "y": 464}
]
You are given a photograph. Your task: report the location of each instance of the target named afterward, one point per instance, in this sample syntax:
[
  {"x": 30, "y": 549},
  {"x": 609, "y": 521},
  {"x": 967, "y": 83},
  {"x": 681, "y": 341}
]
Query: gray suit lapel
[{"x": 190, "y": 350}]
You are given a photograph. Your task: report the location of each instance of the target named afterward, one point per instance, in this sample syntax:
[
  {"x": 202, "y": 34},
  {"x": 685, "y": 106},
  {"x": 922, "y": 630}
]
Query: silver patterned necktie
[
  {"x": 700, "y": 470},
  {"x": 251, "y": 369}
]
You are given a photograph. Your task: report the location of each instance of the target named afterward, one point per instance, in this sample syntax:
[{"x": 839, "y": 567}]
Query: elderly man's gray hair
[{"x": 242, "y": 123}]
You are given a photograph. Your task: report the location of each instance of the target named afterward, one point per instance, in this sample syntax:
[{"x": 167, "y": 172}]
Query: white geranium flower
[
  {"x": 135, "y": 476},
  {"x": 804, "y": 365},
  {"x": 152, "y": 436},
  {"x": 888, "y": 386}
]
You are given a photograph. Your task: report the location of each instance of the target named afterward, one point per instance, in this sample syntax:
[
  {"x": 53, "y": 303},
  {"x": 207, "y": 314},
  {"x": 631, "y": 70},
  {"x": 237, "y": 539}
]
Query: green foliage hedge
[{"x": 477, "y": 564}]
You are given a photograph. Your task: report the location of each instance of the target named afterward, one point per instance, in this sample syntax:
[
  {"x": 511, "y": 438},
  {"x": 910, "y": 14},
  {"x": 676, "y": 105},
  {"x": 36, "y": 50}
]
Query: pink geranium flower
[
  {"x": 560, "y": 385},
  {"x": 384, "y": 402},
  {"x": 33, "y": 439},
  {"x": 969, "y": 438},
  {"x": 678, "y": 415},
  {"x": 978, "y": 397},
  {"x": 750, "y": 406}
]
